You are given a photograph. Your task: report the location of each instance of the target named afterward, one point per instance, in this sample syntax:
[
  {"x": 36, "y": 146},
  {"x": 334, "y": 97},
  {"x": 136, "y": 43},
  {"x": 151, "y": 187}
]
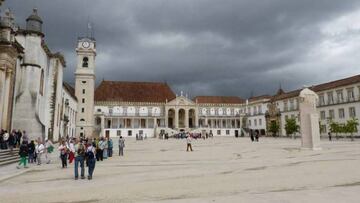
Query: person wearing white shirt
[{"x": 39, "y": 149}]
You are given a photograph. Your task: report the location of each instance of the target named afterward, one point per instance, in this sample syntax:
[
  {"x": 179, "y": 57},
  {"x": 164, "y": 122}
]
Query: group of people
[
  {"x": 79, "y": 151},
  {"x": 13, "y": 139},
  {"x": 254, "y": 136},
  {"x": 34, "y": 152}
]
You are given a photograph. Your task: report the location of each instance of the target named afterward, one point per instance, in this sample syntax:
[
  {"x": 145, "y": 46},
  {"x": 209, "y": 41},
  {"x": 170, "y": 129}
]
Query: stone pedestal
[{"x": 309, "y": 120}]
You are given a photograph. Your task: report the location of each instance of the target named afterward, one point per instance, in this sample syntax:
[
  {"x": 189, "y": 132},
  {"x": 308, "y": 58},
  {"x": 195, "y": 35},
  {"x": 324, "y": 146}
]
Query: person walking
[
  {"x": 251, "y": 136},
  {"x": 39, "y": 149},
  {"x": 71, "y": 151},
  {"x": 101, "y": 148},
  {"x": 188, "y": 141},
  {"x": 12, "y": 141},
  {"x": 90, "y": 154},
  {"x": 330, "y": 137},
  {"x": 31, "y": 151},
  {"x": 18, "y": 137},
  {"x": 257, "y": 136},
  {"x": 49, "y": 148},
  {"x": 106, "y": 148},
  {"x": 6, "y": 139},
  {"x": 110, "y": 149},
  {"x": 121, "y": 146},
  {"x": 79, "y": 159},
  {"x": 23, "y": 152},
  {"x": 63, "y": 154}
]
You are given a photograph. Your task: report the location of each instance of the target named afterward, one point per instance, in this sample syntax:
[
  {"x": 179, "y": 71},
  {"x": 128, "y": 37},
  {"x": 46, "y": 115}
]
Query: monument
[{"x": 309, "y": 120}]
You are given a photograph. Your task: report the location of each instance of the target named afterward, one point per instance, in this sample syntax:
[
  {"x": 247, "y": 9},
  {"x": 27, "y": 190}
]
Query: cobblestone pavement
[{"x": 219, "y": 170}]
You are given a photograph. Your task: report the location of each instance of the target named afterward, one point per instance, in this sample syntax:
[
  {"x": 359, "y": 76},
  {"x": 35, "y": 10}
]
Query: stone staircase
[{"x": 7, "y": 157}]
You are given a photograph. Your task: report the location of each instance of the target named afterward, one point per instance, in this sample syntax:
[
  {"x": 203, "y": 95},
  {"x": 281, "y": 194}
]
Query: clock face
[{"x": 86, "y": 44}]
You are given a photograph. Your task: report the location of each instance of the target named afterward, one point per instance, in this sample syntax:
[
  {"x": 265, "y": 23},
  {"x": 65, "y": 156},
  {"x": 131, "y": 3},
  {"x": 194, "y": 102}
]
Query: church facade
[{"x": 31, "y": 80}]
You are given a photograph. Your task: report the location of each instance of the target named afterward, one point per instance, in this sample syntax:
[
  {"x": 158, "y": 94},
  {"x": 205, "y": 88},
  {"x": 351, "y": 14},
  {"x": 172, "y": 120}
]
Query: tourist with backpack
[
  {"x": 23, "y": 152},
  {"x": 90, "y": 154},
  {"x": 79, "y": 159}
]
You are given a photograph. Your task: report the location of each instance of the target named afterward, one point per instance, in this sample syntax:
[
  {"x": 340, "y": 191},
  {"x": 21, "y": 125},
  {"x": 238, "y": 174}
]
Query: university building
[{"x": 149, "y": 108}]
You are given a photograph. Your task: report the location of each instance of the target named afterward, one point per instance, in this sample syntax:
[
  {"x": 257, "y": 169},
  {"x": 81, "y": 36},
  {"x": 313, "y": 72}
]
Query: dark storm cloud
[{"x": 203, "y": 47}]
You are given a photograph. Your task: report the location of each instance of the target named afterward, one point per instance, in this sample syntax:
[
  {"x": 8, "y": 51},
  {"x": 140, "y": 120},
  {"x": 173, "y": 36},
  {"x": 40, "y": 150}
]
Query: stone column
[
  {"x": 186, "y": 118},
  {"x": 102, "y": 125},
  {"x": 2, "y": 90},
  {"x": 166, "y": 118},
  {"x": 176, "y": 118},
  {"x": 6, "y": 108},
  {"x": 196, "y": 117}
]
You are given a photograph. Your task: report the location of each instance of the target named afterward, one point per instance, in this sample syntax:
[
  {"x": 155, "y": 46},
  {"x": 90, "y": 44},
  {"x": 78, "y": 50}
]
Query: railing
[
  {"x": 338, "y": 101},
  {"x": 133, "y": 115}
]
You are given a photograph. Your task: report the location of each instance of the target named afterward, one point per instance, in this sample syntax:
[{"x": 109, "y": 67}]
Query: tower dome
[{"x": 34, "y": 22}]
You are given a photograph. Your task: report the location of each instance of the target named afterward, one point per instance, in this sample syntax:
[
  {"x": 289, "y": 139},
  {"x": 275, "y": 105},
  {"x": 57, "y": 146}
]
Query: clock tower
[{"x": 85, "y": 86}]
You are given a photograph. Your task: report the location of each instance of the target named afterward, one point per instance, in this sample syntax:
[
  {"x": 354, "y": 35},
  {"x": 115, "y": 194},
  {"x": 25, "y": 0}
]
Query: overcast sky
[{"x": 208, "y": 47}]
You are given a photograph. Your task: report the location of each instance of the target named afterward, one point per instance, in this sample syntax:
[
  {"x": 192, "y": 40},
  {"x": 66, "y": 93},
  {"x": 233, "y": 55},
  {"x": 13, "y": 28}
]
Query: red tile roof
[
  {"x": 133, "y": 92},
  {"x": 218, "y": 100},
  {"x": 320, "y": 87},
  {"x": 70, "y": 89},
  {"x": 257, "y": 98}
]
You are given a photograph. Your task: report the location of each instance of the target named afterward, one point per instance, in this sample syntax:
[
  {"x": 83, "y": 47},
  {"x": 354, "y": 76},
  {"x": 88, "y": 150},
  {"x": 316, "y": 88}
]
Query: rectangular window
[
  {"x": 227, "y": 132},
  {"x": 340, "y": 96},
  {"x": 322, "y": 100},
  {"x": 292, "y": 105},
  {"x": 255, "y": 122},
  {"x": 83, "y": 91},
  {"x": 83, "y": 101},
  {"x": 285, "y": 106},
  {"x": 350, "y": 94},
  {"x": 219, "y": 132},
  {"x": 322, "y": 115},
  {"x": 331, "y": 114},
  {"x": 330, "y": 98},
  {"x": 82, "y": 110},
  {"x": 249, "y": 122},
  {"x": 129, "y": 132},
  {"x": 259, "y": 110},
  {"x": 341, "y": 113},
  {"x": 260, "y": 121},
  {"x": 352, "y": 112},
  {"x": 118, "y": 132}
]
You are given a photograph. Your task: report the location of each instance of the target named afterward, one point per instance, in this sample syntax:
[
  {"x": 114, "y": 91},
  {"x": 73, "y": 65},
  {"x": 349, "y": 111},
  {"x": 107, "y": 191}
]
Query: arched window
[
  {"x": 82, "y": 119},
  {"x": 85, "y": 63},
  {"x": 41, "y": 88}
]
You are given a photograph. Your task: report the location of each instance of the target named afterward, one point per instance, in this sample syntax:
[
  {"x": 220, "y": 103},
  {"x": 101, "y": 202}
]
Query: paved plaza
[{"x": 219, "y": 170}]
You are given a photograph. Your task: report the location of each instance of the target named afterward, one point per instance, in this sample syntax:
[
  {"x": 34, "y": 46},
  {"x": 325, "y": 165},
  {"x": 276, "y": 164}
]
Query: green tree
[
  {"x": 274, "y": 128},
  {"x": 335, "y": 128},
  {"x": 351, "y": 127},
  {"x": 291, "y": 127}
]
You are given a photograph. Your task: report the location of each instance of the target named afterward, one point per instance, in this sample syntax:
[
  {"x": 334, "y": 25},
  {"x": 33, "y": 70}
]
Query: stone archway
[
  {"x": 181, "y": 118},
  {"x": 192, "y": 118},
  {"x": 171, "y": 118}
]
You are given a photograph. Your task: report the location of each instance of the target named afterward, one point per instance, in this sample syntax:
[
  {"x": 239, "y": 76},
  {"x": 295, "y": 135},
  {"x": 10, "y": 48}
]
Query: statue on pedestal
[{"x": 309, "y": 120}]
